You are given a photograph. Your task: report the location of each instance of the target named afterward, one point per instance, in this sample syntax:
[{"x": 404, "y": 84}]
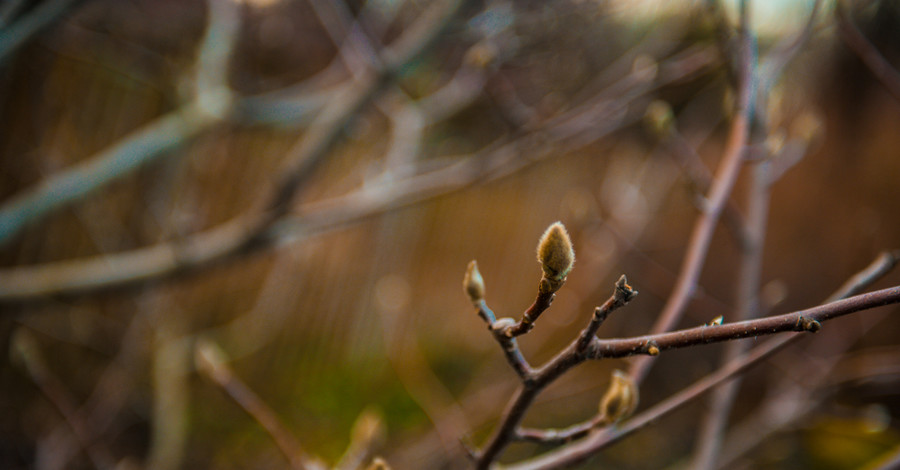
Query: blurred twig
[
  {"x": 15, "y": 32},
  {"x": 701, "y": 236},
  {"x": 594, "y": 442},
  {"x": 211, "y": 103},
  {"x": 24, "y": 346},
  {"x": 772, "y": 414},
  {"x": 212, "y": 362},
  {"x": 559, "y": 134}
]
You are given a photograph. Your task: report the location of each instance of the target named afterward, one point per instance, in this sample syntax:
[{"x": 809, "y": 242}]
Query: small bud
[
  {"x": 555, "y": 252},
  {"x": 481, "y": 55},
  {"x": 716, "y": 321},
  {"x": 620, "y": 400},
  {"x": 378, "y": 463},
  {"x": 807, "y": 324},
  {"x": 502, "y": 324},
  {"x": 210, "y": 359},
  {"x": 808, "y": 126},
  {"x": 367, "y": 429},
  {"x": 659, "y": 118},
  {"x": 473, "y": 283}
]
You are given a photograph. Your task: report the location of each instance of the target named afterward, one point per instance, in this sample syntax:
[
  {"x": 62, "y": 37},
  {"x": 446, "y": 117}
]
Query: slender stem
[
  {"x": 582, "y": 450},
  {"x": 706, "y": 224},
  {"x": 537, "y": 380},
  {"x": 557, "y": 135},
  {"x": 621, "y": 296},
  {"x": 713, "y": 428},
  {"x": 216, "y": 369},
  {"x": 803, "y": 320},
  {"x": 509, "y": 345},
  {"x": 541, "y": 303}
]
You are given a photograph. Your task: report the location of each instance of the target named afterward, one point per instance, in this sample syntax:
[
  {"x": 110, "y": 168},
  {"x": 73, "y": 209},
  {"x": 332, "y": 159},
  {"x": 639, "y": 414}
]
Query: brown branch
[
  {"x": 541, "y": 303},
  {"x": 25, "y": 348},
  {"x": 866, "y": 51},
  {"x": 803, "y": 320},
  {"x": 700, "y": 180},
  {"x": 706, "y": 224},
  {"x": 212, "y": 363},
  {"x": 509, "y": 344},
  {"x": 772, "y": 415},
  {"x": 581, "y": 451},
  {"x": 168, "y": 260},
  {"x": 571, "y": 356},
  {"x": 709, "y": 444}
]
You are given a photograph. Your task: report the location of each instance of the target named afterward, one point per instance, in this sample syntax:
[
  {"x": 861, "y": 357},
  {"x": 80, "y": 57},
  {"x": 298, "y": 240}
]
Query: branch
[
  {"x": 582, "y": 450},
  {"x": 718, "y": 196},
  {"x": 772, "y": 415},
  {"x": 571, "y": 356},
  {"x": 211, "y": 103},
  {"x": 803, "y": 320},
  {"x": 212, "y": 362},
  {"x": 558, "y": 135},
  {"x": 15, "y": 35},
  {"x": 25, "y": 348}
]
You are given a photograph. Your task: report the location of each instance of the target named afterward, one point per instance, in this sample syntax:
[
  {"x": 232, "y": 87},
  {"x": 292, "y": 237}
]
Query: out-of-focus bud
[
  {"x": 368, "y": 428},
  {"x": 555, "y": 252},
  {"x": 620, "y": 400},
  {"x": 473, "y": 283},
  {"x": 378, "y": 463},
  {"x": 644, "y": 68},
  {"x": 775, "y": 142},
  {"x": 210, "y": 359},
  {"x": 808, "y": 127},
  {"x": 659, "y": 118},
  {"x": 481, "y": 55}
]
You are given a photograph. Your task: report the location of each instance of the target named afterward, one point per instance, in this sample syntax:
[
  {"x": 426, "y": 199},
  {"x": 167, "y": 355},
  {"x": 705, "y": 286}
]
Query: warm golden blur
[{"x": 347, "y": 308}]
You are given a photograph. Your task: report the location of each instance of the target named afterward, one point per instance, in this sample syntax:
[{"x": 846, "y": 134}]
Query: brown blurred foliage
[{"x": 372, "y": 314}]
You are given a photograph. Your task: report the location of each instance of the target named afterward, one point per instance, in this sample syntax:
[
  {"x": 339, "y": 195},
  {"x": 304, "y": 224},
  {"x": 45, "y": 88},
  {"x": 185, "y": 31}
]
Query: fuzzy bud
[
  {"x": 659, "y": 118},
  {"x": 620, "y": 400},
  {"x": 367, "y": 429},
  {"x": 555, "y": 252},
  {"x": 210, "y": 359},
  {"x": 473, "y": 283},
  {"x": 378, "y": 463}
]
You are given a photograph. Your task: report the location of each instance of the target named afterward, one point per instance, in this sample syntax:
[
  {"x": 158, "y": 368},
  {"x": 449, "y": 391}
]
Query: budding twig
[
  {"x": 557, "y": 257},
  {"x": 621, "y": 296}
]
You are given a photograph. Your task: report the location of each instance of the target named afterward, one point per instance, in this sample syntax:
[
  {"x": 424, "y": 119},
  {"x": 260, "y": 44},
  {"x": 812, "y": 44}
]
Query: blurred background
[{"x": 522, "y": 113}]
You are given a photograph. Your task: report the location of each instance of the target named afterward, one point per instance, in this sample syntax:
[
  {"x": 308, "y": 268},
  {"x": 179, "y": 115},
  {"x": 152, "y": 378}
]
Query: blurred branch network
[{"x": 170, "y": 168}]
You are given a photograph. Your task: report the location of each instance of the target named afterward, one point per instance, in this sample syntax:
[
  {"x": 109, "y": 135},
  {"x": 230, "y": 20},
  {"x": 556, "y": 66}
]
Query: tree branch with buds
[{"x": 556, "y": 255}]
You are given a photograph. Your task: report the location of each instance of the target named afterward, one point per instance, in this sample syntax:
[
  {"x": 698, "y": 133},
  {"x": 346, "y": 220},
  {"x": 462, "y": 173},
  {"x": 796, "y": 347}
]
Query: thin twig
[
  {"x": 772, "y": 415},
  {"x": 571, "y": 356},
  {"x": 211, "y": 104},
  {"x": 16, "y": 34},
  {"x": 509, "y": 344},
  {"x": 212, "y": 363},
  {"x": 582, "y": 450},
  {"x": 718, "y": 195},
  {"x": 25, "y": 346},
  {"x": 803, "y": 320},
  {"x": 560, "y": 134},
  {"x": 712, "y": 430}
]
